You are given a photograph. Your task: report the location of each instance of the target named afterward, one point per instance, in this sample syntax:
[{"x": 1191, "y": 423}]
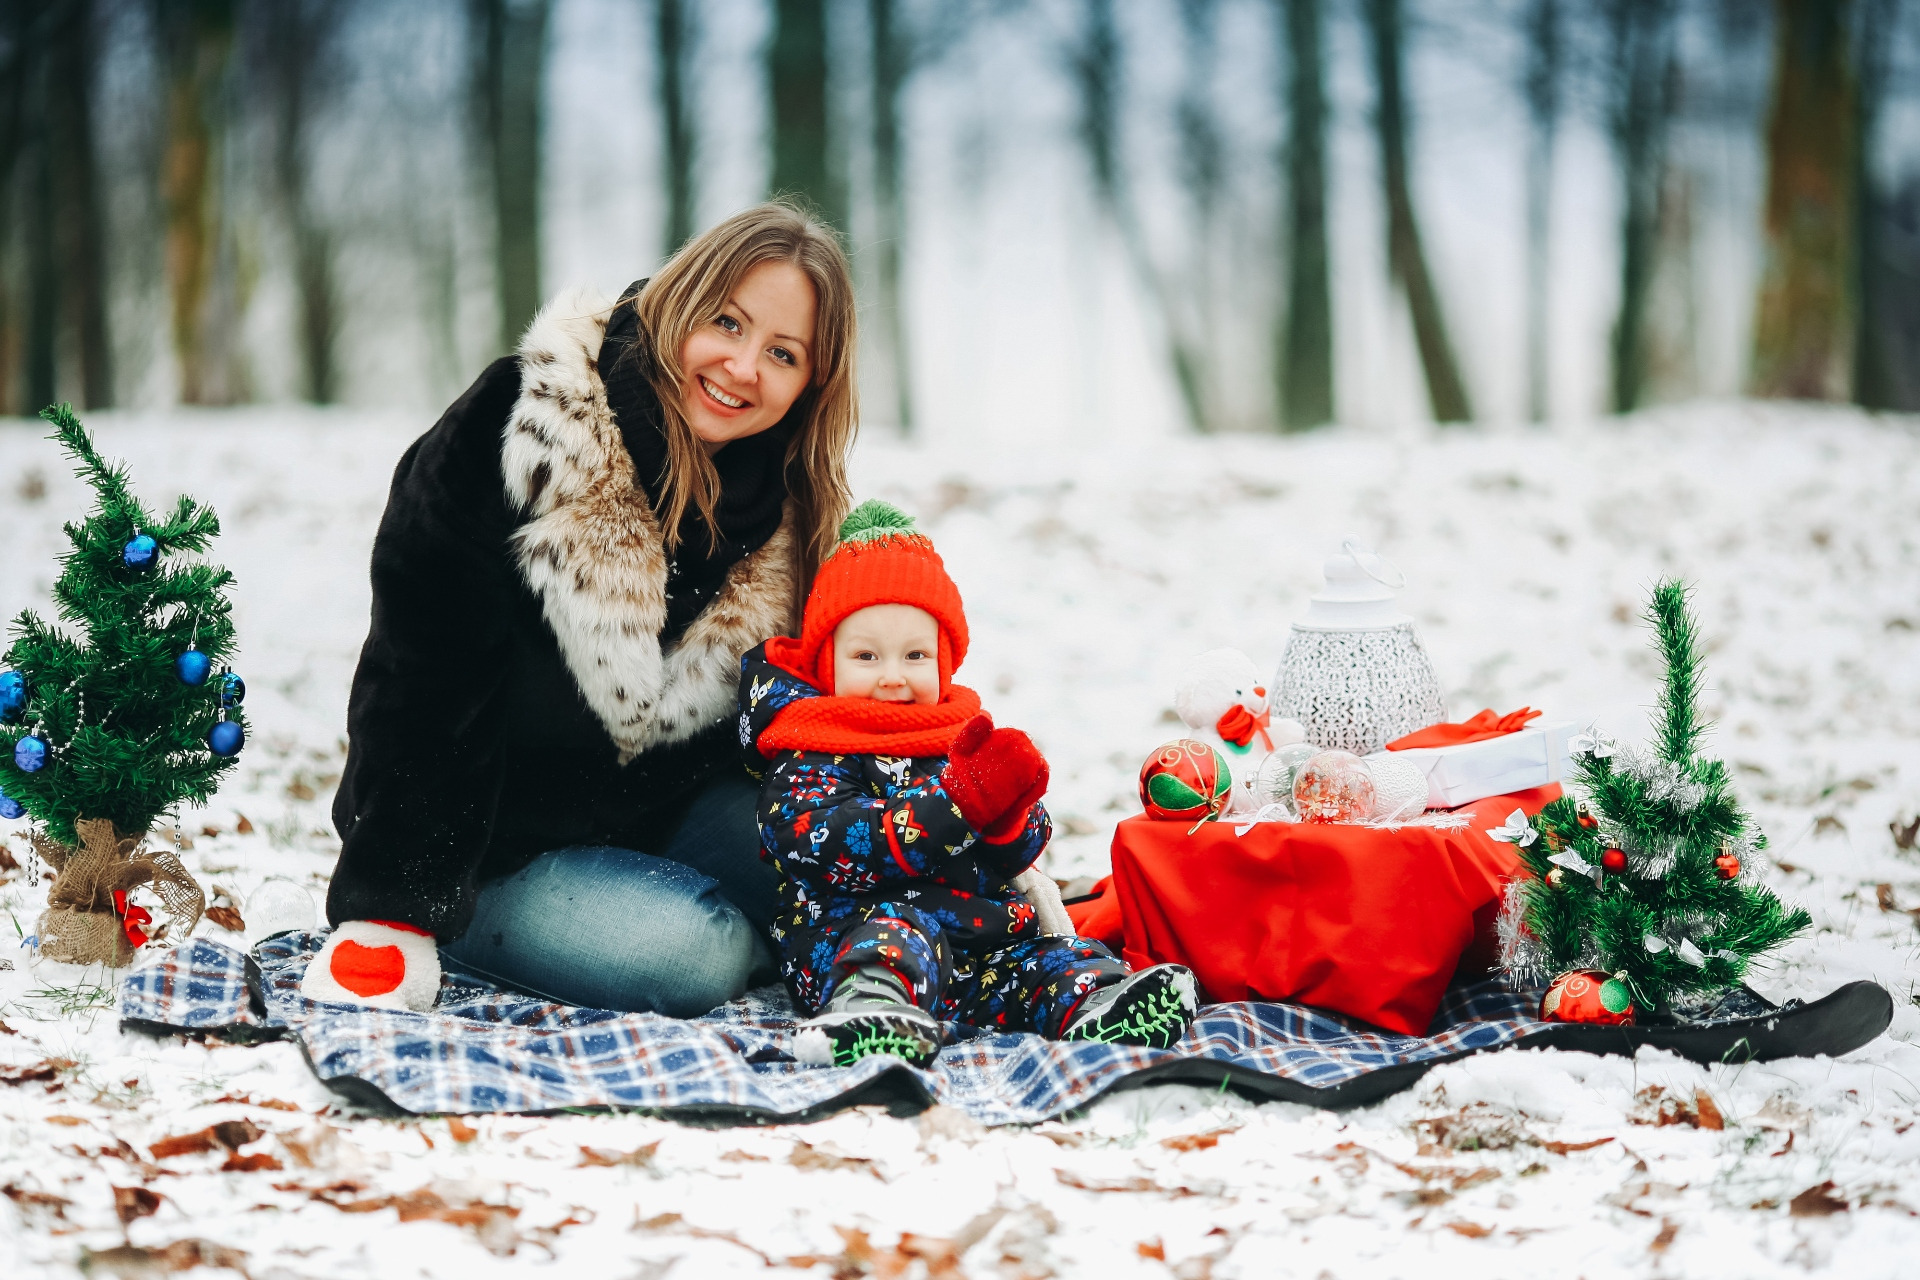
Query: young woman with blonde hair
[{"x": 543, "y": 773}]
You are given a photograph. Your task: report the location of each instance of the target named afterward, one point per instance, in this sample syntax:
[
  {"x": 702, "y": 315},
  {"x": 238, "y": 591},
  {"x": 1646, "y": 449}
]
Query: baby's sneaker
[
  {"x": 1151, "y": 1008},
  {"x": 868, "y": 1016}
]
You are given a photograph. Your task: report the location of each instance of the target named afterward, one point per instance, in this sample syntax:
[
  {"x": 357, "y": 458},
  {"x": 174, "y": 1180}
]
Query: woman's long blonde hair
[{"x": 690, "y": 291}]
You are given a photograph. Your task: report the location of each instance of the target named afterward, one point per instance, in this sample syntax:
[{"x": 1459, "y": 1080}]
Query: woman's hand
[
  {"x": 994, "y": 776},
  {"x": 379, "y": 963}
]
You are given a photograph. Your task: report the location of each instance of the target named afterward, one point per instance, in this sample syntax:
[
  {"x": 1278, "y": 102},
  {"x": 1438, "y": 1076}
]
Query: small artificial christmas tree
[
  {"x": 1643, "y": 893},
  {"x": 102, "y": 734}
]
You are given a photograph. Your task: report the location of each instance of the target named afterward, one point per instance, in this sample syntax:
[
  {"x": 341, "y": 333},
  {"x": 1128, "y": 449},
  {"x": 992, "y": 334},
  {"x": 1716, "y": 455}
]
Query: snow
[{"x": 1090, "y": 574}]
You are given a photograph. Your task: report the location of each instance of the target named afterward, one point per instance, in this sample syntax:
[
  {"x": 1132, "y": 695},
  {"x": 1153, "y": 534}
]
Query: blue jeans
[{"x": 675, "y": 933}]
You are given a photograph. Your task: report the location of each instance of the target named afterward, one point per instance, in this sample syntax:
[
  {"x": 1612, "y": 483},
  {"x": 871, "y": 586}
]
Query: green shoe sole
[{"x": 1153, "y": 1011}]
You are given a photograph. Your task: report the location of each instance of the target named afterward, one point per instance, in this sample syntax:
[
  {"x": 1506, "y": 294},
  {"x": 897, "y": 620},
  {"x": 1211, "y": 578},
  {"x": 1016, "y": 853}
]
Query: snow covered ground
[{"x": 1089, "y": 576}]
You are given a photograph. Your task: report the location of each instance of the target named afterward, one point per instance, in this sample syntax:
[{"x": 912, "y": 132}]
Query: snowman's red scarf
[{"x": 861, "y": 726}]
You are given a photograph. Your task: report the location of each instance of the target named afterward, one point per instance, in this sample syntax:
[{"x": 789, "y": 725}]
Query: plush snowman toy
[{"x": 1223, "y": 700}]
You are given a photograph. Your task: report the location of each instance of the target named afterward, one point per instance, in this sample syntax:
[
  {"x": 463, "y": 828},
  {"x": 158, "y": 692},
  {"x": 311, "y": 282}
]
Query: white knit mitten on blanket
[
  {"x": 378, "y": 963},
  {"x": 1044, "y": 894}
]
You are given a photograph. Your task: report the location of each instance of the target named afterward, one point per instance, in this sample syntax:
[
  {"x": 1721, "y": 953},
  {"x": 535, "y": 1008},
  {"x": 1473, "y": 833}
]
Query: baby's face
[{"x": 888, "y": 652}]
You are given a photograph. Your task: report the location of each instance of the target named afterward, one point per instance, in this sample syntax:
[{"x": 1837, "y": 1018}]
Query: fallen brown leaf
[
  {"x": 1828, "y": 822},
  {"x": 227, "y": 918},
  {"x": 129, "y": 1260},
  {"x": 230, "y": 1134},
  {"x": 6, "y": 1030},
  {"x": 1668, "y": 1230},
  {"x": 807, "y": 1156},
  {"x": 244, "y": 827},
  {"x": 492, "y": 1223},
  {"x": 1196, "y": 1141},
  {"x": 254, "y": 1163},
  {"x": 744, "y": 1157},
  {"x": 1883, "y": 897},
  {"x": 1068, "y": 1178},
  {"x": 1471, "y": 1230},
  {"x": 68, "y": 1121},
  {"x": 1564, "y": 1148},
  {"x": 1655, "y": 1106},
  {"x": 461, "y": 1130},
  {"x": 45, "y": 1069},
  {"x": 36, "y": 1205},
  {"x": 271, "y": 1104},
  {"x": 600, "y": 1158},
  {"x": 1152, "y": 1249},
  {"x": 1817, "y": 1202},
  {"x": 134, "y": 1202}
]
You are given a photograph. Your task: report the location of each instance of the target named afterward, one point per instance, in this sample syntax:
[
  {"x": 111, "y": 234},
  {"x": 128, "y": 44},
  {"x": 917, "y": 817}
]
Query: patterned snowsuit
[{"x": 877, "y": 865}]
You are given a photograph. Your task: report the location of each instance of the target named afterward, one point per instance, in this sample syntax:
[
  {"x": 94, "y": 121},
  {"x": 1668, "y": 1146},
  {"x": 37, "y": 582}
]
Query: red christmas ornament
[
  {"x": 1727, "y": 865},
  {"x": 1185, "y": 781},
  {"x": 1590, "y": 996},
  {"x": 1586, "y": 818},
  {"x": 1613, "y": 862}
]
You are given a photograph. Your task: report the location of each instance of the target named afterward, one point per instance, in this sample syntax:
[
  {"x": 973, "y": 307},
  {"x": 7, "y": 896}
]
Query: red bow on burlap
[
  {"x": 1239, "y": 725},
  {"x": 133, "y": 918}
]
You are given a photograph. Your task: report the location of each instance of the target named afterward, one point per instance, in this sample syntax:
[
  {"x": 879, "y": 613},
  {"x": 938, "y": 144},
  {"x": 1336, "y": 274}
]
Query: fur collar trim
[{"x": 592, "y": 551}]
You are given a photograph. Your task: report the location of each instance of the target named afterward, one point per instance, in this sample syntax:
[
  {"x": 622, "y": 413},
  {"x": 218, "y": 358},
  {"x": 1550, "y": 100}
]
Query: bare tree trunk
[
  {"x": 893, "y": 57},
  {"x": 512, "y": 72},
  {"x": 1875, "y": 383},
  {"x": 1543, "y": 119},
  {"x": 1406, "y": 258},
  {"x": 297, "y": 40},
  {"x": 673, "y": 38},
  {"x": 1306, "y": 356},
  {"x": 1644, "y": 71},
  {"x": 797, "y": 67},
  {"x": 1095, "y": 67},
  {"x": 1803, "y": 332},
  {"x": 13, "y": 38},
  {"x": 199, "y": 42},
  {"x": 83, "y": 287}
]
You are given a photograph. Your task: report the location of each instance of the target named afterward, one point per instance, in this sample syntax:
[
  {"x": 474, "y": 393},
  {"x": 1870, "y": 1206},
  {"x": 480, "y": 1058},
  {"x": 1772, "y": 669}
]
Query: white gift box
[{"x": 1473, "y": 771}]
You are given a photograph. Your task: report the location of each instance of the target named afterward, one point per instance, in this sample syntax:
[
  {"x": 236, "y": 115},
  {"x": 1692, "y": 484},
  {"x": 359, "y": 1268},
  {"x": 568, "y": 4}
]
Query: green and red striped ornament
[{"x": 1185, "y": 781}]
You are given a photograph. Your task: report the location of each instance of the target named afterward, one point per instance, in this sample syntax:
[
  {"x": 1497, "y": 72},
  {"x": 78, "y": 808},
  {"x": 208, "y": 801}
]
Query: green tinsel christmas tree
[
  {"x": 1649, "y": 879},
  {"x": 102, "y": 733}
]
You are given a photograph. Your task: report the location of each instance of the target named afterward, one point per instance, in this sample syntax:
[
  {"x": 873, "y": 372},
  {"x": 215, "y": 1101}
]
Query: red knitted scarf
[{"x": 862, "y": 726}]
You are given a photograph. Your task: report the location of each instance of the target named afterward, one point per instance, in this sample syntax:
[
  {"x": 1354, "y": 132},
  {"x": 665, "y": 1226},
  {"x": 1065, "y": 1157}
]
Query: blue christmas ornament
[
  {"x": 30, "y": 754},
  {"x": 233, "y": 690},
  {"x": 13, "y": 694},
  {"x": 9, "y": 807},
  {"x": 226, "y": 739},
  {"x": 140, "y": 553},
  {"x": 193, "y": 666}
]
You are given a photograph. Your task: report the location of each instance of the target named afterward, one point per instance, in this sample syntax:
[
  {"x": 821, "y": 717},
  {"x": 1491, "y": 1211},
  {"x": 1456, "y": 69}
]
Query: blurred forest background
[{"x": 1070, "y": 218}]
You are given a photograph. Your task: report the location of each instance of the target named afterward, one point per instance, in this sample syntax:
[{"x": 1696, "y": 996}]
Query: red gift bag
[{"x": 1368, "y": 922}]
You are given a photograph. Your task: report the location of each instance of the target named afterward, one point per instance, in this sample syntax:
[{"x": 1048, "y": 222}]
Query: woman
[{"x": 543, "y": 774}]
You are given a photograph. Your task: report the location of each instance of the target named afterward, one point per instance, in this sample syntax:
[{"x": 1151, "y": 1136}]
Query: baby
[{"x": 899, "y": 819}]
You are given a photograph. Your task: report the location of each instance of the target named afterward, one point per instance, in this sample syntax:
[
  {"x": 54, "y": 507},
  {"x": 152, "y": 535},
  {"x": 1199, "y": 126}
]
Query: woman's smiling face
[{"x": 744, "y": 368}]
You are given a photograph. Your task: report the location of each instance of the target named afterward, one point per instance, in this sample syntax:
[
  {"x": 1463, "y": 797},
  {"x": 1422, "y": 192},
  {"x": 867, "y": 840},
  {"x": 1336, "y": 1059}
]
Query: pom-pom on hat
[{"x": 881, "y": 559}]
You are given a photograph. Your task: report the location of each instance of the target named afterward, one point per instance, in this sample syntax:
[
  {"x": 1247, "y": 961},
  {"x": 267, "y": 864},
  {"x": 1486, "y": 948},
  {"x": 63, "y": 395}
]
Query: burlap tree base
[{"x": 82, "y": 924}]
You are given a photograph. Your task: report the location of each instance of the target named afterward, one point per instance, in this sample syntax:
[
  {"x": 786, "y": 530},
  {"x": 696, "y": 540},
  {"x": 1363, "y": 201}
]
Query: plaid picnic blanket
[{"x": 485, "y": 1049}]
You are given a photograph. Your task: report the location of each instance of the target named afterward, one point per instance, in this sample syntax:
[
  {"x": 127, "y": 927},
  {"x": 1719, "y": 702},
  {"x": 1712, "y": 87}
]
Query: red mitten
[
  {"x": 994, "y": 776},
  {"x": 380, "y": 963}
]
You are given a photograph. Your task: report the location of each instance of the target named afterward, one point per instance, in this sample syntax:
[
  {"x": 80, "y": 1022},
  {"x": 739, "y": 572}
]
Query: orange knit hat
[{"x": 881, "y": 559}]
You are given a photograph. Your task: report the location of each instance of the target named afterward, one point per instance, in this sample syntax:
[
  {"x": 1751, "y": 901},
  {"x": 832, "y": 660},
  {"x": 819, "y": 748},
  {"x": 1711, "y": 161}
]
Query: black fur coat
[{"x": 515, "y": 694}]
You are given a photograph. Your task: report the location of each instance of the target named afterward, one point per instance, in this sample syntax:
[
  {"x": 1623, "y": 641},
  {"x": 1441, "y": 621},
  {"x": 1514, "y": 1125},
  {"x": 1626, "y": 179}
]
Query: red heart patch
[{"x": 368, "y": 971}]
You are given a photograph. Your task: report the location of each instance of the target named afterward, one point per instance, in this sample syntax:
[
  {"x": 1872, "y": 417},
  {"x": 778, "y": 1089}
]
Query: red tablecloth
[{"x": 1366, "y": 922}]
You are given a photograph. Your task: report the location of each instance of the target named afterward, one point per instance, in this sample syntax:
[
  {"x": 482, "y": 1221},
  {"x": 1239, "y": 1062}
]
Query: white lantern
[{"x": 1354, "y": 672}]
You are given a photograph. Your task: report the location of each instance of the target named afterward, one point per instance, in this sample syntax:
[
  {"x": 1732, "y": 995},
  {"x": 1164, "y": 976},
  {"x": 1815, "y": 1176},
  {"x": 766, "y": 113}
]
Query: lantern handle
[{"x": 1356, "y": 548}]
